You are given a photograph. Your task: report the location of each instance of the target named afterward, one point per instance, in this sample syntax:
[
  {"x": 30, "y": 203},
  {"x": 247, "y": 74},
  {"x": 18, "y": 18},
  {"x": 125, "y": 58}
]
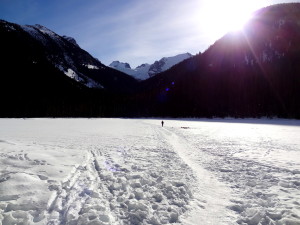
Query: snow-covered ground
[{"x": 133, "y": 171}]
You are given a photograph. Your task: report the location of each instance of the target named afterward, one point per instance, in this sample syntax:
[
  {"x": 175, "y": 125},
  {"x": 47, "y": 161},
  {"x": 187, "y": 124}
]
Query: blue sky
[{"x": 133, "y": 31}]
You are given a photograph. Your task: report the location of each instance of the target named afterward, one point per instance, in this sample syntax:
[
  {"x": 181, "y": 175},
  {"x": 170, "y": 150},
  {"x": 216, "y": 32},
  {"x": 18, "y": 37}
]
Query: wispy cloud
[
  {"x": 133, "y": 31},
  {"x": 143, "y": 30}
]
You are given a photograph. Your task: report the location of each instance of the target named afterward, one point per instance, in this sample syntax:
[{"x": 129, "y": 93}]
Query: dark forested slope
[
  {"x": 44, "y": 74},
  {"x": 251, "y": 73}
]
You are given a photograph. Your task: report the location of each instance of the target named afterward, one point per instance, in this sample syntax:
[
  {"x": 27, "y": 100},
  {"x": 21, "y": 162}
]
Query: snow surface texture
[
  {"x": 118, "y": 171},
  {"x": 146, "y": 71}
]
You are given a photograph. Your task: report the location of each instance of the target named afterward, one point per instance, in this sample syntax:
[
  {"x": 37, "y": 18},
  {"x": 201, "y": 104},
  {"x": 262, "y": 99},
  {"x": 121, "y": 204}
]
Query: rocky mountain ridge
[{"x": 146, "y": 70}]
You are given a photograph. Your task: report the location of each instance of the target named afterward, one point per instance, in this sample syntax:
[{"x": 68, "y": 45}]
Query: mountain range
[
  {"x": 45, "y": 74},
  {"x": 37, "y": 44},
  {"x": 146, "y": 70},
  {"x": 251, "y": 73}
]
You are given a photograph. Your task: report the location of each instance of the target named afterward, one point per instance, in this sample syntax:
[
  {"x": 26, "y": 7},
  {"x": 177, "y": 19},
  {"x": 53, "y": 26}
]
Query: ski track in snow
[
  {"x": 113, "y": 171},
  {"x": 120, "y": 181},
  {"x": 265, "y": 190}
]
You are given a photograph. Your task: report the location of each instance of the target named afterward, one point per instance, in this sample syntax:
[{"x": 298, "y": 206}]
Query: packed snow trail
[
  {"x": 259, "y": 162},
  {"x": 211, "y": 195},
  {"x": 122, "y": 172}
]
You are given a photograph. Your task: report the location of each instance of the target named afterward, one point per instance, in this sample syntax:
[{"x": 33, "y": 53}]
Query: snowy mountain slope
[
  {"x": 44, "y": 74},
  {"x": 146, "y": 71},
  {"x": 166, "y": 63},
  {"x": 136, "y": 172},
  {"x": 139, "y": 73},
  {"x": 64, "y": 54},
  {"x": 62, "y": 59}
]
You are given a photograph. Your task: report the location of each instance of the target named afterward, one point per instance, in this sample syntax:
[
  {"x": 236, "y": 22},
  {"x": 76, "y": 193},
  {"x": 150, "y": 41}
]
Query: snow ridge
[{"x": 166, "y": 63}]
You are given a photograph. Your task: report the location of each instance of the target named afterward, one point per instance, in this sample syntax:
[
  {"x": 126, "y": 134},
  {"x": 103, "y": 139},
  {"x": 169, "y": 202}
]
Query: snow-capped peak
[
  {"x": 145, "y": 70},
  {"x": 142, "y": 66},
  {"x": 166, "y": 63}
]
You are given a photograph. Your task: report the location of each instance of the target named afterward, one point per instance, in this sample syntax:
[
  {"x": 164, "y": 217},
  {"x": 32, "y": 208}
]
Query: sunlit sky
[{"x": 135, "y": 31}]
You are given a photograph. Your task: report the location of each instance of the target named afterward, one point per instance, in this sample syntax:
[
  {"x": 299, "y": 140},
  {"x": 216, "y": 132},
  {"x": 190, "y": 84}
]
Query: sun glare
[
  {"x": 220, "y": 17},
  {"x": 236, "y": 22}
]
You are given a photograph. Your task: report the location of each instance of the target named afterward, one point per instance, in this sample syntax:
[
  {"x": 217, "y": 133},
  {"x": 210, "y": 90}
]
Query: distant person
[{"x": 162, "y": 123}]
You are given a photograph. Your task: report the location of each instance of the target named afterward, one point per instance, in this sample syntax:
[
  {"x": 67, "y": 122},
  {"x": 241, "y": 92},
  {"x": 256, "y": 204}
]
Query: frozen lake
[{"x": 133, "y": 171}]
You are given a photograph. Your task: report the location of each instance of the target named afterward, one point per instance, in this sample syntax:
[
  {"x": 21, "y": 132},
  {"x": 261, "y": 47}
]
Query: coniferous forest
[{"x": 252, "y": 73}]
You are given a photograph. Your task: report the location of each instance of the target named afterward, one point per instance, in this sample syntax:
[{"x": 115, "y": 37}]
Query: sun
[
  {"x": 235, "y": 22},
  {"x": 220, "y": 17}
]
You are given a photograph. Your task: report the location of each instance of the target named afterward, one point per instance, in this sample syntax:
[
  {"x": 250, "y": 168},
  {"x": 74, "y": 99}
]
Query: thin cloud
[
  {"x": 133, "y": 31},
  {"x": 142, "y": 30}
]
